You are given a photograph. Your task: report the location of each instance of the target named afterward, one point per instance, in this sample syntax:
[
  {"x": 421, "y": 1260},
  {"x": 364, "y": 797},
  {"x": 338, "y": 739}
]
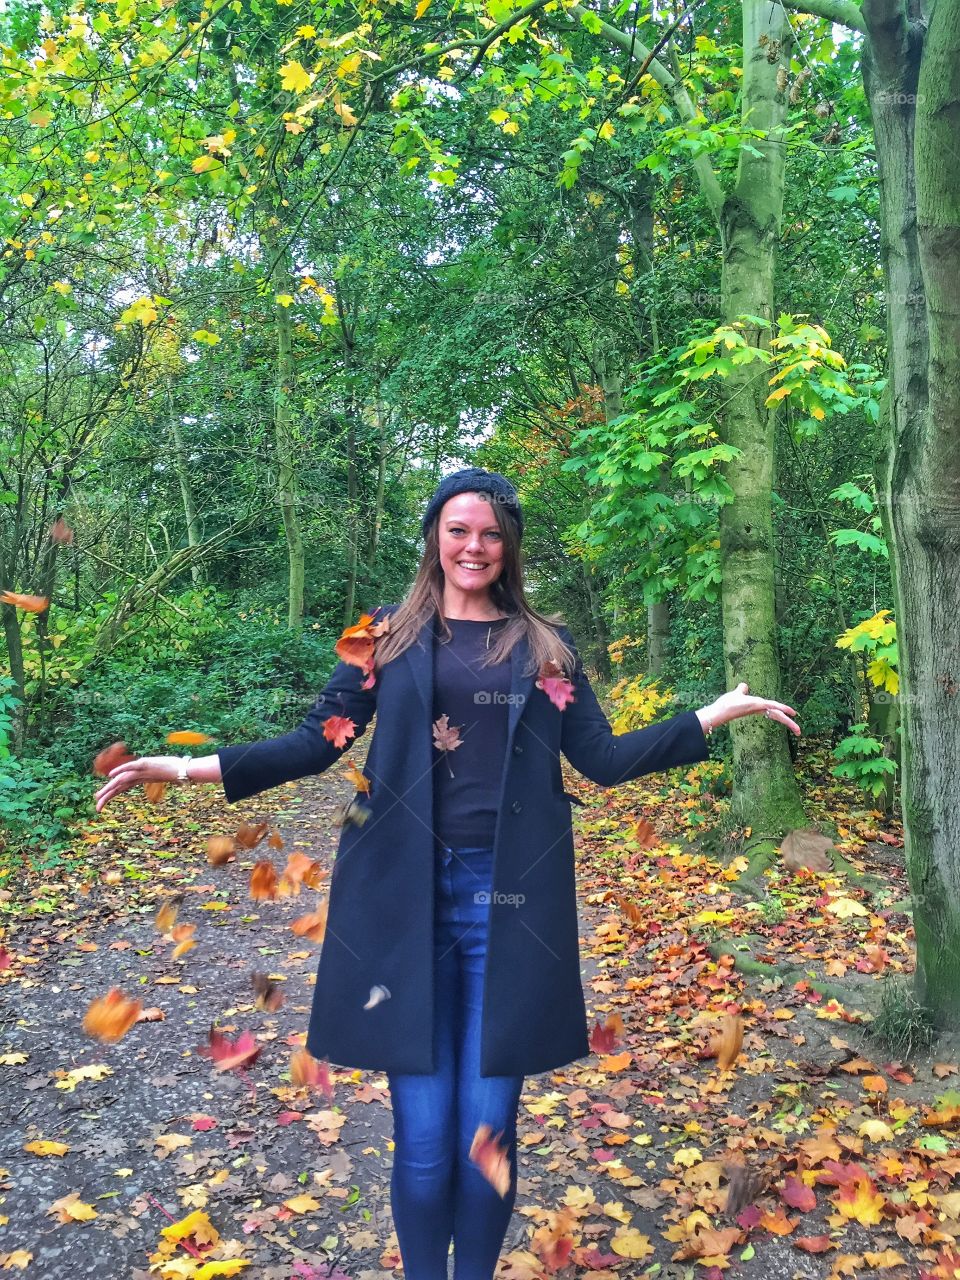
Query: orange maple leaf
[{"x": 338, "y": 729}]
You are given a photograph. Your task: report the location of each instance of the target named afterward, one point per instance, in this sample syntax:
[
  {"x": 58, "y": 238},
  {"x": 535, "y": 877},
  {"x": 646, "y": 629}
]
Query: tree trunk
[
  {"x": 912, "y": 85},
  {"x": 765, "y": 794},
  {"x": 183, "y": 476},
  {"x": 285, "y": 435}
]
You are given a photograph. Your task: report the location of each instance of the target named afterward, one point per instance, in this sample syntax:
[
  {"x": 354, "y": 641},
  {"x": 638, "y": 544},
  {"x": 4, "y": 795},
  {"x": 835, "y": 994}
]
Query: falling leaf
[
  {"x": 446, "y": 737},
  {"x": 221, "y": 850},
  {"x": 307, "y": 1072},
  {"x": 730, "y": 1041},
  {"x": 359, "y": 780},
  {"x": 356, "y": 643},
  {"x": 187, "y": 738},
  {"x": 492, "y": 1159},
  {"x": 110, "y": 1017},
  {"x": 166, "y": 916},
  {"x": 228, "y": 1055},
  {"x": 645, "y": 835},
  {"x": 154, "y": 791},
  {"x": 603, "y": 1039},
  {"x": 268, "y": 993},
  {"x": 377, "y": 993},
  {"x": 313, "y": 925},
  {"x": 110, "y": 757},
  {"x": 339, "y": 730},
  {"x": 263, "y": 881},
  {"x": 31, "y": 604},
  {"x": 248, "y": 835},
  {"x": 60, "y": 531},
  {"x": 554, "y": 684}
]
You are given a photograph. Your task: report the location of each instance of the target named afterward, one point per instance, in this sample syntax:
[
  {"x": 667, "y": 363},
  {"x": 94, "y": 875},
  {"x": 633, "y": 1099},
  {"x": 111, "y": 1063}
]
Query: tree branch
[
  {"x": 674, "y": 88},
  {"x": 843, "y": 12}
]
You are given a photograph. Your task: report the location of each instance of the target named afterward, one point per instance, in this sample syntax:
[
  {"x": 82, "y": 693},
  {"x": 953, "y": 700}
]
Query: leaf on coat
[
  {"x": 446, "y": 736},
  {"x": 554, "y": 684},
  {"x": 338, "y": 730},
  {"x": 492, "y": 1159},
  {"x": 110, "y": 1017},
  {"x": 227, "y": 1054}
]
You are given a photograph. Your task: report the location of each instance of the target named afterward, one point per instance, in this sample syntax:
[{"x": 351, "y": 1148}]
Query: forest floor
[{"x": 813, "y": 1155}]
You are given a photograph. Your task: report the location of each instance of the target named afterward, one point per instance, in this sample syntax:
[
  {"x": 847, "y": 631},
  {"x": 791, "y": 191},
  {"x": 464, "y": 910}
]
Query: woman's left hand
[{"x": 739, "y": 702}]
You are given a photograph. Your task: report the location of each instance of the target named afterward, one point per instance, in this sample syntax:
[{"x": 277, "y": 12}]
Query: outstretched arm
[
  {"x": 608, "y": 758},
  {"x": 247, "y": 770}
]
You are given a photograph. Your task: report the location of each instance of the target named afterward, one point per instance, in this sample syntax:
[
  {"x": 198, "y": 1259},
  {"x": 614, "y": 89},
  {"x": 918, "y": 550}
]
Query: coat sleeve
[
  {"x": 258, "y": 766},
  {"x": 607, "y": 758}
]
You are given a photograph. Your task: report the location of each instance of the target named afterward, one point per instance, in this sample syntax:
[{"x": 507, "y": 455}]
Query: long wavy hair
[{"x": 424, "y": 601}]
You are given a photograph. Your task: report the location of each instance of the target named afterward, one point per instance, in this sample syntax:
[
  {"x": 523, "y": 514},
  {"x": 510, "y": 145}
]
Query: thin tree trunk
[
  {"x": 285, "y": 435},
  {"x": 183, "y": 476}
]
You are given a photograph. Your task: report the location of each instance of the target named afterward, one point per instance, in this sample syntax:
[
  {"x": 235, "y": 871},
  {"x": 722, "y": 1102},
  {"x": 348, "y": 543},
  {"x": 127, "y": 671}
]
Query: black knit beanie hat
[{"x": 472, "y": 480}]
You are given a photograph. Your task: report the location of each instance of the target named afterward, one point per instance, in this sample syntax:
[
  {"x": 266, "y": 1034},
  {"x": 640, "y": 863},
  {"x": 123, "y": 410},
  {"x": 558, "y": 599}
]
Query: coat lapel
[{"x": 420, "y": 657}]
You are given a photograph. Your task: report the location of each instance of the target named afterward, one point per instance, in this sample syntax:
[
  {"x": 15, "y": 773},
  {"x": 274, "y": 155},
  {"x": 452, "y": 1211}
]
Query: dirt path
[{"x": 621, "y": 1156}]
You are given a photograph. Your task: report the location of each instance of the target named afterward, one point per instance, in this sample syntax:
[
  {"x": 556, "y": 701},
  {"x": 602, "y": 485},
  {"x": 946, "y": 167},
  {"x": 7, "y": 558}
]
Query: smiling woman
[{"x": 451, "y": 959}]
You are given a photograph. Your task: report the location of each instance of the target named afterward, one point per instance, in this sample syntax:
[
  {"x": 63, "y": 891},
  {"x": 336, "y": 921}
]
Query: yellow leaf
[
  {"x": 203, "y": 163},
  {"x": 228, "y": 1267},
  {"x": 284, "y": 299},
  {"x": 349, "y": 66},
  {"x": 347, "y": 118},
  {"x": 846, "y": 907},
  {"x": 498, "y": 115},
  {"x": 195, "y": 1224},
  {"x": 876, "y": 1131},
  {"x": 306, "y": 32},
  {"x": 817, "y": 412},
  {"x": 631, "y": 1244},
  {"x": 294, "y": 78},
  {"x": 19, "y": 1258},
  {"x": 27, "y": 199},
  {"x": 511, "y": 127},
  {"x": 12, "y": 1059},
  {"x": 421, "y": 9},
  {"x": 606, "y": 131},
  {"x": 302, "y": 1204},
  {"x": 71, "y": 1208},
  {"x": 41, "y": 1148}
]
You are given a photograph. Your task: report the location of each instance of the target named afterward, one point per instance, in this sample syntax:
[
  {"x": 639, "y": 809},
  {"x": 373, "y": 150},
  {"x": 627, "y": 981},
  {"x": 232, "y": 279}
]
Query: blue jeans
[{"x": 436, "y": 1190}]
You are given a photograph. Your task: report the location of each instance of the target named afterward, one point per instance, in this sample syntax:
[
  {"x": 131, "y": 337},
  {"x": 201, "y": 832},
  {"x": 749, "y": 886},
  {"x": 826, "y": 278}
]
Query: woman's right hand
[{"x": 144, "y": 769}]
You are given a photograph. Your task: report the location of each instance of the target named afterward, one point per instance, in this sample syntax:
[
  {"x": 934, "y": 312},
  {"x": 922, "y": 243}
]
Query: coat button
[
  {"x": 517, "y": 750},
  {"x": 516, "y": 806}
]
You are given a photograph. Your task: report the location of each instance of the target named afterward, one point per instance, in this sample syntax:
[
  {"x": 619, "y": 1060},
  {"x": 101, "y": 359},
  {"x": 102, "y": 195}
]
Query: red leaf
[
  {"x": 338, "y": 730},
  {"x": 227, "y": 1054},
  {"x": 798, "y": 1195}
]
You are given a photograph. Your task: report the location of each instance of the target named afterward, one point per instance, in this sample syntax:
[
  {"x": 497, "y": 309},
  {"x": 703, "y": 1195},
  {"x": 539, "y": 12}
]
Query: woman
[{"x": 450, "y": 959}]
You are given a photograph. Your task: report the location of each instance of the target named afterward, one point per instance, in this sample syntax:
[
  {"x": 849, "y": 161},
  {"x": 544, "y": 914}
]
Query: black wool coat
[{"x": 380, "y": 913}]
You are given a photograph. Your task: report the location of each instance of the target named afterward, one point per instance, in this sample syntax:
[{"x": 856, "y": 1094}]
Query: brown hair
[{"x": 424, "y": 600}]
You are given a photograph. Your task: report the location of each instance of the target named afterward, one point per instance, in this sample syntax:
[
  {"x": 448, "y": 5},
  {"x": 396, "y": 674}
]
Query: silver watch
[{"x": 182, "y": 775}]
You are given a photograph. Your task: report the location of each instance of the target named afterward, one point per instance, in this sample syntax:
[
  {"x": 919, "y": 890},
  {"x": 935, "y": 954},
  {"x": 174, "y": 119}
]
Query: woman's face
[{"x": 469, "y": 536}]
